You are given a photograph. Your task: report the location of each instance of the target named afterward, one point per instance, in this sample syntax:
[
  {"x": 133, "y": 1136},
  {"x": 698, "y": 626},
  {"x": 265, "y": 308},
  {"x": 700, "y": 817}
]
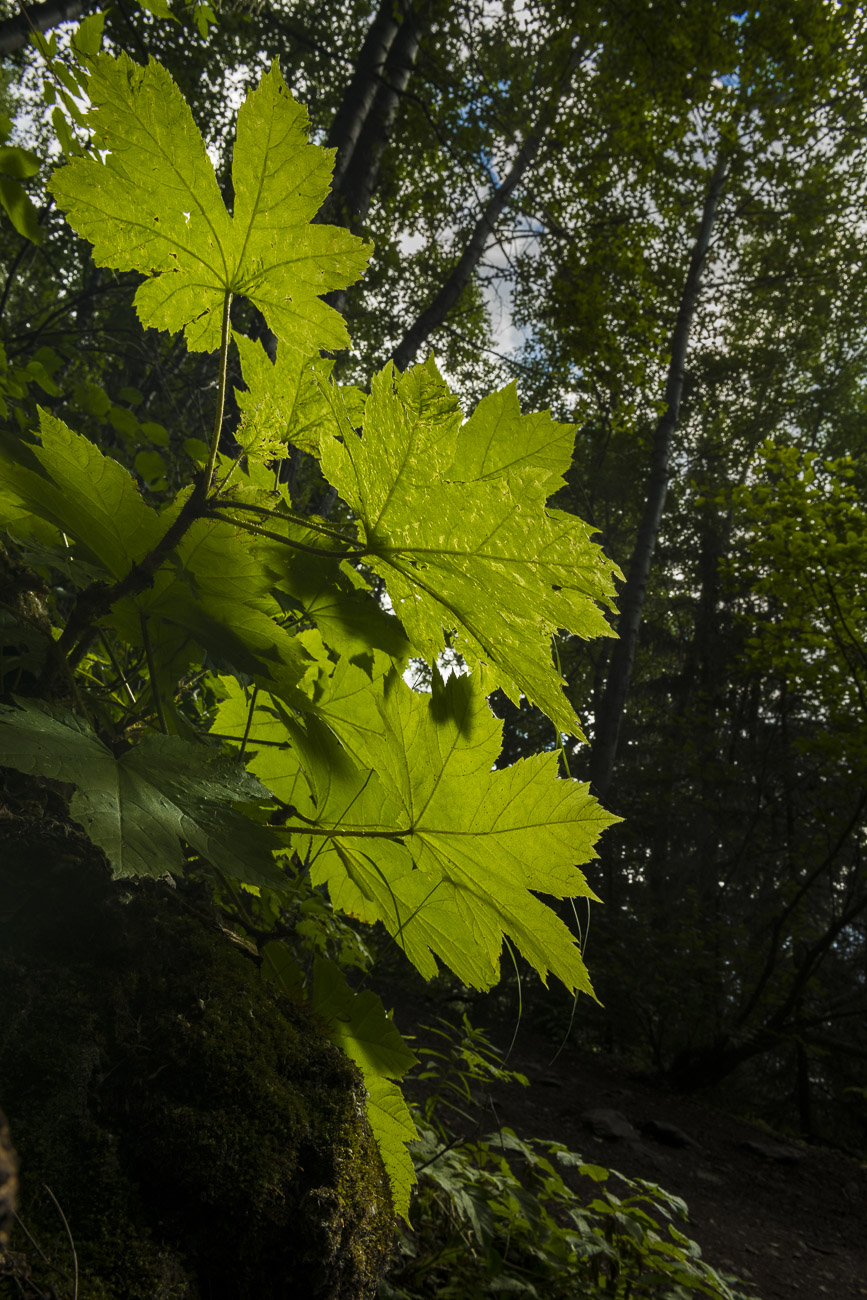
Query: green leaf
[
  {"x": 18, "y": 163},
  {"x": 65, "y": 137},
  {"x": 447, "y": 853},
  {"x": 153, "y": 205},
  {"x": 358, "y": 1025},
  {"x": 150, "y": 465},
  {"x": 285, "y": 398},
  {"x": 20, "y": 210},
  {"x": 139, "y": 807},
  {"x": 215, "y": 593},
  {"x": 158, "y": 8},
  {"x": 204, "y": 18},
  {"x": 481, "y": 558},
  {"x": 497, "y": 441},
  {"x": 82, "y": 493},
  {"x": 87, "y": 37},
  {"x": 253, "y": 717},
  {"x": 336, "y": 598}
]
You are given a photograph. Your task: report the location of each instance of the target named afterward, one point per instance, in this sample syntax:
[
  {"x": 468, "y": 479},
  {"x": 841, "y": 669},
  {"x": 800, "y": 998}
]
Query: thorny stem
[
  {"x": 152, "y": 673},
  {"x": 117, "y": 668},
  {"x": 221, "y": 391},
  {"x": 258, "y": 531}
]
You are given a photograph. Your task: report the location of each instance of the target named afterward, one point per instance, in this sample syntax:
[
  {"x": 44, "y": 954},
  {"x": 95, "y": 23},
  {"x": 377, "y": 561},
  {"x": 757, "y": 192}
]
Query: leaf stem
[
  {"x": 336, "y": 833},
  {"x": 250, "y": 712},
  {"x": 258, "y": 531},
  {"x": 304, "y": 521},
  {"x": 152, "y": 673},
  {"x": 225, "y": 336}
]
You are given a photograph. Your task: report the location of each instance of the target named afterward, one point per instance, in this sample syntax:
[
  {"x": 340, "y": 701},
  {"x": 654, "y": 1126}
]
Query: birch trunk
[
  {"x": 352, "y": 115},
  {"x": 444, "y": 300},
  {"x": 609, "y": 717}
]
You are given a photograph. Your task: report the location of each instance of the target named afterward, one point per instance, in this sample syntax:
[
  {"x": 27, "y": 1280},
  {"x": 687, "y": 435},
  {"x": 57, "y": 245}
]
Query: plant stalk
[{"x": 221, "y": 393}]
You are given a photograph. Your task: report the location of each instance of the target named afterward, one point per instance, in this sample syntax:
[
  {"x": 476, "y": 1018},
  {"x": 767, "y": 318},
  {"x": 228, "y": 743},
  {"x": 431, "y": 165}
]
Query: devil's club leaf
[
  {"x": 139, "y": 806},
  {"x": 68, "y": 482},
  {"x": 447, "y": 853},
  {"x": 153, "y": 205},
  {"x": 284, "y": 400},
  {"x": 454, "y": 520}
]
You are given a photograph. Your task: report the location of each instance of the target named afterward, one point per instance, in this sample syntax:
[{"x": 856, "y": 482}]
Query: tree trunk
[
  {"x": 362, "y": 171},
  {"x": 352, "y": 115},
  {"x": 435, "y": 313},
  {"x": 632, "y": 597},
  {"x": 360, "y": 153}
]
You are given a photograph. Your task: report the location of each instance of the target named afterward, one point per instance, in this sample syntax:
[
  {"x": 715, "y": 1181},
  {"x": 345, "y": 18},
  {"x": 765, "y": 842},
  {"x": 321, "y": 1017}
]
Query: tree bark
[
  {"x": 352, "y": 115},
  {"x": 15, "y": 31},
  {"x": 362, "y": 170},
  {"x": 609, "y": 717},
  {"x": 360, "y": 152},
  {"x": 435, "y": 313}
]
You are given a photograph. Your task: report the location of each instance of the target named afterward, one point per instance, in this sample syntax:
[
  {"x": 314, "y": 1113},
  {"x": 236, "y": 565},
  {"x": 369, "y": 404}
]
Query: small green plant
[{"x": 495, "y": 1214}]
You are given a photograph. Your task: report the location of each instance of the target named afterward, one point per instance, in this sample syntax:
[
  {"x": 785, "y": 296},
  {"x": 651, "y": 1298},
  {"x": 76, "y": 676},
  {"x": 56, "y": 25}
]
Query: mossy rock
[{"x": 202, "y": 1137}]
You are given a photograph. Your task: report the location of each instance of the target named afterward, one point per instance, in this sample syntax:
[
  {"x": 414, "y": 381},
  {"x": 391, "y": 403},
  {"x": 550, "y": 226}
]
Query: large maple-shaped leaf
[
  {"x": 214, "y": 593},
  {"x": 454, "y": 519},
  {"x": 447, "y": 853},
  {"x": 139, "y": 807},
  {"x": 152, "y": 204}
]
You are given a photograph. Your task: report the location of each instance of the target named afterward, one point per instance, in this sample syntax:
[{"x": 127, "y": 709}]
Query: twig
[{"x": 71, "y": 1242}]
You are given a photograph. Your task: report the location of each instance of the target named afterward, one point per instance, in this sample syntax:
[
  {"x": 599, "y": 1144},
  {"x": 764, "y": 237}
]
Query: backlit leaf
[
  {"x": 153, "y": 205},
  {"x": 357, "y": 1024},
  {"x": 480, "y": 557},
  {"x": 449, "y": 854}
]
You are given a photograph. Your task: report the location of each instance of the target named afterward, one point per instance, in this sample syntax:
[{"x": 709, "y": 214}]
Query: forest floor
[{"x": 789, "y": 1219}]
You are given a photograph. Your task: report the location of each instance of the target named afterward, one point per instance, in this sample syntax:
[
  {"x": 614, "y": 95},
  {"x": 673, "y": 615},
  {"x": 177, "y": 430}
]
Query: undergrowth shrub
[{"x": 495, "y": 1214}]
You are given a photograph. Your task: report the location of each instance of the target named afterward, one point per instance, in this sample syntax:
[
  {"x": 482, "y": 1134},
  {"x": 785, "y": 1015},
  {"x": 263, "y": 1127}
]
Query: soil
[{"x": 787, "y": 1218}]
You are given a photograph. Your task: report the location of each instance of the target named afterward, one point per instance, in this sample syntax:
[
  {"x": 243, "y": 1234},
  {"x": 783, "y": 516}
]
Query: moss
[{"x": 201, "y": 1135}]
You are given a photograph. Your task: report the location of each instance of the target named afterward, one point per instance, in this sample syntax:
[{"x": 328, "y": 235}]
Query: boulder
[
  {"x": 668, "y": 1134},
  {"x": 202, "y": 1137},
  {"x": 773, "y": 1152},
  {"x": 609, "y": 1124}
]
